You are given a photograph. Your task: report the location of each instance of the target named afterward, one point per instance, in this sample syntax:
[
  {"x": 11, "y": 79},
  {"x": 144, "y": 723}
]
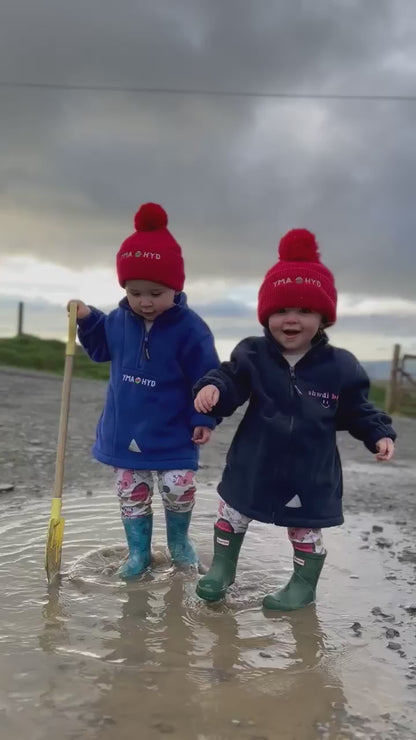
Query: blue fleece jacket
[
  {"x": 283, "y": 465},
  {"x": 148, "y": 418}
]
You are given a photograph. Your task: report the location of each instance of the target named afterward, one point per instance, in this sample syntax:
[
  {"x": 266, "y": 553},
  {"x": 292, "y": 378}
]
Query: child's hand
[
  {"x": 385, "y": 449},
  {"x": 206, "y": 399},
  {"x": 82, "y": 309},
  {"x": 201, "y": 435}
]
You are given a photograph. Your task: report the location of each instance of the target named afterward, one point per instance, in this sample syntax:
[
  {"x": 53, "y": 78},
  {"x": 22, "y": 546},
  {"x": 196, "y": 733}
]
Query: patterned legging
[
  {"x": 307, "y": 540},
  {"x": 135, "y": 490}
]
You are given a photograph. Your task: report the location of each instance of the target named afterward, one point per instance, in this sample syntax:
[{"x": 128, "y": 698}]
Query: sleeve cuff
[
  {"x": 370, "y": 443},
  {"x": 85, "y": 325},
  {"x": 203, "y": 420}
]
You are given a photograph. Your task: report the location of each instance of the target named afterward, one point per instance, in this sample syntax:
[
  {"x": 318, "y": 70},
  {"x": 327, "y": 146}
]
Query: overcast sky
[{"x": 233, "y": 171}]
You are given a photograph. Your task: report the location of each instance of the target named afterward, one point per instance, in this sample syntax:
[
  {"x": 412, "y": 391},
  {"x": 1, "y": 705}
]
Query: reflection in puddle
[{"x": 99, "y": 658}]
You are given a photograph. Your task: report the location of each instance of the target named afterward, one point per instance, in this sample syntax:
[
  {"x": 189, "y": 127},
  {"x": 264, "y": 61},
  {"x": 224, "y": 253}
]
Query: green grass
[
  {"x": 48, "y": 355},
  {"x": 407, "y": 399},
  {"x": 378, "y": 394}
]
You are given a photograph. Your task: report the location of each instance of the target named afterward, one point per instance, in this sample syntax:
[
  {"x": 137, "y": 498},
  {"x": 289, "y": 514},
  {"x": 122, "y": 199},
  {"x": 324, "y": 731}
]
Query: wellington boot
[
  {"x": 301, "y": 589},
  {"x": 139, "y": 537},
  {"x": 180, "y": 546},
  {"x": 213, "y": 585}
]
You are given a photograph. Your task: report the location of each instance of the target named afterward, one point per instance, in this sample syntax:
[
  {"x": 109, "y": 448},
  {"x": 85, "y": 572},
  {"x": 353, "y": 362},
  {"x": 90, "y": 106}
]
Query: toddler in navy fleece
[
  {"x": 158, "y": 348},
  {"x": 283, "y": 465}
]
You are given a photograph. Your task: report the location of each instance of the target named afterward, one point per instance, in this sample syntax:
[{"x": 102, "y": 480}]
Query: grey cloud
[
  {"x": 39, "y": 318},
  {"x": 234, "y": 173},
  {"x": 386, "y": 325},
  {"x": 225, "y": 309}
]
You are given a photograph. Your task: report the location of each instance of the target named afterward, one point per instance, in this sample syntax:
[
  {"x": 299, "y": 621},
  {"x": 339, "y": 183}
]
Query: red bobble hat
[
  {"x": 151, "y": 253},
  {"x": 298, "y": 280}
]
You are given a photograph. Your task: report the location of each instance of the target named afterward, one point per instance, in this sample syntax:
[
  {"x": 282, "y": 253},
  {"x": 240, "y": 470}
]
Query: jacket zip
[
  {"x": 144, "y": 347},
  {"x": 293, "y": 379},
  {"x": 293, "y": 387}
]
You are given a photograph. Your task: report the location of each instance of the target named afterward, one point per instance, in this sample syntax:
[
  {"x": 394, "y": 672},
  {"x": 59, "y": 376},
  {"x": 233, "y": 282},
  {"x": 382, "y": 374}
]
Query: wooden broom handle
[{"x": 66, "y": 394}]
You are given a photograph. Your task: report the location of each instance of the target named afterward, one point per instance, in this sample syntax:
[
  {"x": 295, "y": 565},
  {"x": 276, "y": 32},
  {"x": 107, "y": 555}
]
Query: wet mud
[{"x": 100, "y": 658}]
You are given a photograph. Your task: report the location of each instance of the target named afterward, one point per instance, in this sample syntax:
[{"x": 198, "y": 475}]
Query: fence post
[
  {"x": 20, "y": 319},
  {"x": 391, "y": 394}
]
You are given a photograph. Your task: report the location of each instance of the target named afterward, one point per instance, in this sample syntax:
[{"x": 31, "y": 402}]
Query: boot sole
[
  {"x": 210, "y": 596},
  {"x": 286, "y": 608},
  {"x": 127, "y": 577}
]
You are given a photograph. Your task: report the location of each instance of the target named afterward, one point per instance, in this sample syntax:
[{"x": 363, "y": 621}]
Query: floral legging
[
  {"x": 135, "y": 490},
  {"x": 304, "y": 539}
]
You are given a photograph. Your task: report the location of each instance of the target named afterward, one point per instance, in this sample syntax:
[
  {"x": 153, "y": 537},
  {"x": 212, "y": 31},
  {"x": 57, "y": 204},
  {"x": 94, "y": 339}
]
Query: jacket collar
[
  {"x": 319, "y": 341},
  {"x": 167, "y": 317}
]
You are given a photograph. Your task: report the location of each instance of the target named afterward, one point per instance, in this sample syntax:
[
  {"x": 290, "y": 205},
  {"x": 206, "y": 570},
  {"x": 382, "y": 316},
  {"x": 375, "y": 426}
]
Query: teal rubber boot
[
  {"x": 139, "y": 537},
  {"x": 301, "y": 589},
  {"x": 213, "y": 586},
  {"x": 180, "y": 546}
]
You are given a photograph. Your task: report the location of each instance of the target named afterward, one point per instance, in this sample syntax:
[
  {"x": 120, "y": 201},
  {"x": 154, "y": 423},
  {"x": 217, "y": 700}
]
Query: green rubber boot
[
  {"x": 213, "y": 585},
  {"x": 301, "y": 589}
]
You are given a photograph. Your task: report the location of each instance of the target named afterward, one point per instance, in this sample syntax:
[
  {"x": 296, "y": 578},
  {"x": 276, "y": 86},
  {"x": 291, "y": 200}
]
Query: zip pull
[
  {"x": 146, "y": 346},
  {"x": 293, "y": 379}
]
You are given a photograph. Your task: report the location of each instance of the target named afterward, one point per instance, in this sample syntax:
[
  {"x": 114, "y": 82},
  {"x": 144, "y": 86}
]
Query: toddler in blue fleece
[
  {"x": 283, "y": 465},
  {"x": 158, "y": 348}
]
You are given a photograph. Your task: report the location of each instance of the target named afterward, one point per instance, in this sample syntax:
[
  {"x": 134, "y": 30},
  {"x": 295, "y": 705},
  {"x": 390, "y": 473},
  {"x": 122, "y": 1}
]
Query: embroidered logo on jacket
[
  {"x": 325, "y": 397},
  {"x": 138, "y": 380}
]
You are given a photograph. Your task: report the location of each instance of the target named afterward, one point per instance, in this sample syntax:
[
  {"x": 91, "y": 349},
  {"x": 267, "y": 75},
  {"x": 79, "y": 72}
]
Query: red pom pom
[
  {"x": 150, "y": 217},
  {"x": 299, "y": 245}
]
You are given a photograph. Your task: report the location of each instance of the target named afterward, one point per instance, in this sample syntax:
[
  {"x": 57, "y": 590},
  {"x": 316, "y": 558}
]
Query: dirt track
[{"x": 29, "y": 411}]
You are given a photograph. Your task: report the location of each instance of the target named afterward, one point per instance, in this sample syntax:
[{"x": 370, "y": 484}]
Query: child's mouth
[{"x": 291, "y": 332}]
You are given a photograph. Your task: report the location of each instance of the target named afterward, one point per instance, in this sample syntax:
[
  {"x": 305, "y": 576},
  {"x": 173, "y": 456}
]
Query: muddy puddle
[{"x": 96, "y": 658}]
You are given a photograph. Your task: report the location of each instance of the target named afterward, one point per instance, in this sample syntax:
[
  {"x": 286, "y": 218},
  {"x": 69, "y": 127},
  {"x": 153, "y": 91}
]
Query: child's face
[
  {"x": 294, "y": 328},
  {"x": 149, "y": 300}
]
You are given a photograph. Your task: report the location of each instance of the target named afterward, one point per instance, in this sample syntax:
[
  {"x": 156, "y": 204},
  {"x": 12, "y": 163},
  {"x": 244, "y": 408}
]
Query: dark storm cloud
[{"x": 234, "y": 173}]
